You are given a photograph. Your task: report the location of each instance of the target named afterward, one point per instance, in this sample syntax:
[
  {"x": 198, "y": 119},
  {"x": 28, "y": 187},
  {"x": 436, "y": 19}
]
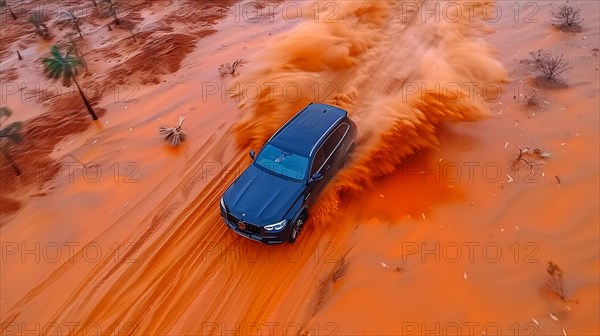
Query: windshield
[{"x": 281, "y": 162}]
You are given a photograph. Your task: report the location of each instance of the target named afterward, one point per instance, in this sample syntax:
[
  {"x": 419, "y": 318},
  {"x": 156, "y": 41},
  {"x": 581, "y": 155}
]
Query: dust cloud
[{"x": 399, "y": 81}]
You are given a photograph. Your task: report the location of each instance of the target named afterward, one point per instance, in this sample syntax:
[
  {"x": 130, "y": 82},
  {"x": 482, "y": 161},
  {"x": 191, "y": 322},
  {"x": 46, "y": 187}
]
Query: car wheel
[{"x": 296, "y": 229}]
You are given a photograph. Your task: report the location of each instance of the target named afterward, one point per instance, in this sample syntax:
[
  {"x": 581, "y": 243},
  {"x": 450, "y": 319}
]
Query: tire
[{"x": 296, "y": 229}]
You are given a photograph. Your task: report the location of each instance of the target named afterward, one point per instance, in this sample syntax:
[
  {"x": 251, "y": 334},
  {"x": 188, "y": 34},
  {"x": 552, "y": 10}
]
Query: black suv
[{"x": 269, "y": 201}]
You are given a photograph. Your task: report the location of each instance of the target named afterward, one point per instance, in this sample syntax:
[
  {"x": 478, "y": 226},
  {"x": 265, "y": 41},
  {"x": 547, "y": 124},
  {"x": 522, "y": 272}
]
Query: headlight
[
  {"x": 277, "y": 226},
  {"x": 223, "y": 204}
]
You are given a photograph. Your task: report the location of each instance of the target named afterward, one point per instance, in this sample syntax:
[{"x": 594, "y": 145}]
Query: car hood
[{"x": 261, "y": 198}]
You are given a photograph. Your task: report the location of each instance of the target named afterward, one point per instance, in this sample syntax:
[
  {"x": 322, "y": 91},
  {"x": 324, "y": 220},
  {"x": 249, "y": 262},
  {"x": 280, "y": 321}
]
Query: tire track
[
  {"x": 191, "y": 271},
  {"x": 105, "y": 269}
]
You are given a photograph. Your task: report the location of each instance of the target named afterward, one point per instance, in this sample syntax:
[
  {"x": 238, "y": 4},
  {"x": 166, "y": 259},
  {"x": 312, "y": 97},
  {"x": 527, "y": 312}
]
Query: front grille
[
  {"x": 246, "y": 227},
  {"x": 252, "y": 228},
  {"x": 231, "y": 218}
]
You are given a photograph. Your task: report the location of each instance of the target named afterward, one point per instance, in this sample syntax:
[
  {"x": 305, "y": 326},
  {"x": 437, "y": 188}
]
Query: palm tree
[
  {"x": 74, "y": 20},
  {"x": 113, "y": 11},
  {"x": 110, "y": 6},
  {"x": 65, "y": 66},
  {"x": 9, "y": 135},
  {"x": 71, "y": 47},
  {"x": 37, "y": 20}
]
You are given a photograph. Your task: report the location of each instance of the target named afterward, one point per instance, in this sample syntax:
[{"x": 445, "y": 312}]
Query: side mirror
[
  {"x": 252, "y": 154},
  {"x": 316, "y": 177}
]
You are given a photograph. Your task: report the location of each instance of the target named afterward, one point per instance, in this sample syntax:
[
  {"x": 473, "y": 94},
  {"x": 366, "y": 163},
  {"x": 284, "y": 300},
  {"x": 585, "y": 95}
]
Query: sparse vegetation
[
  {"x": 528, "y": 156},
  {"x": 550, "y": 66},
  {"x": 173, "y": 136},
  {"x": 37, "y": 21},
  {"x": 555, "y": 282},
  {"x": 74, "y": 20},
  {"x": 538, "y": 55},
  {"x": 110, "y": 7},
  {"x": 59, "y": 66},
  {"x": 567, "y": 17},
  {"x": 9, "y": 135},
  {"x": 230, "y": 68},
  {"x": 532, "y": 99}
]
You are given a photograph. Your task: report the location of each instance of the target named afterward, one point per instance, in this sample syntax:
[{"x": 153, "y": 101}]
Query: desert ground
[{"x": 469, "y": 207}]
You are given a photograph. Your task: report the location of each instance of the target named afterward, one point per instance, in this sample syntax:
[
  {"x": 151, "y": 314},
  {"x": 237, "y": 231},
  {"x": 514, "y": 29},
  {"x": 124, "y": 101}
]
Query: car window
[
  {"x": 283, "y": 163},
  {"x": 335, "y": 137},
  {"x": 317, "y": 161}
]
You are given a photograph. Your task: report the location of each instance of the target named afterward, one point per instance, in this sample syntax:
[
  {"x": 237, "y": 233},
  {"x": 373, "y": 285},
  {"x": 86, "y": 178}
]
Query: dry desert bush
[
  {"x": 551, "y": 66},
  {"x": 567, "y": 18}
]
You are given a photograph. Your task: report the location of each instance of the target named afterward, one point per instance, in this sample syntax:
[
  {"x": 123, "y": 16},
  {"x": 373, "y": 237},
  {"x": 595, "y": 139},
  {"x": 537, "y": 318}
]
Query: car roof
[{"x": 307, "y": 128}]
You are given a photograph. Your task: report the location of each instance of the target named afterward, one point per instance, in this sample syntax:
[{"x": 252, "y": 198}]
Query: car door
[
  {"x": 314, "y": 188},
  {"x": 335, "y": 146},
  {"x": 326, "y": 161}
]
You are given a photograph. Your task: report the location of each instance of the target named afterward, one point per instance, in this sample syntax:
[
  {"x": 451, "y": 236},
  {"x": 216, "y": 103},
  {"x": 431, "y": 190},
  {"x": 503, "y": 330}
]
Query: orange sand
[{"x": 430, "y": 229}]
